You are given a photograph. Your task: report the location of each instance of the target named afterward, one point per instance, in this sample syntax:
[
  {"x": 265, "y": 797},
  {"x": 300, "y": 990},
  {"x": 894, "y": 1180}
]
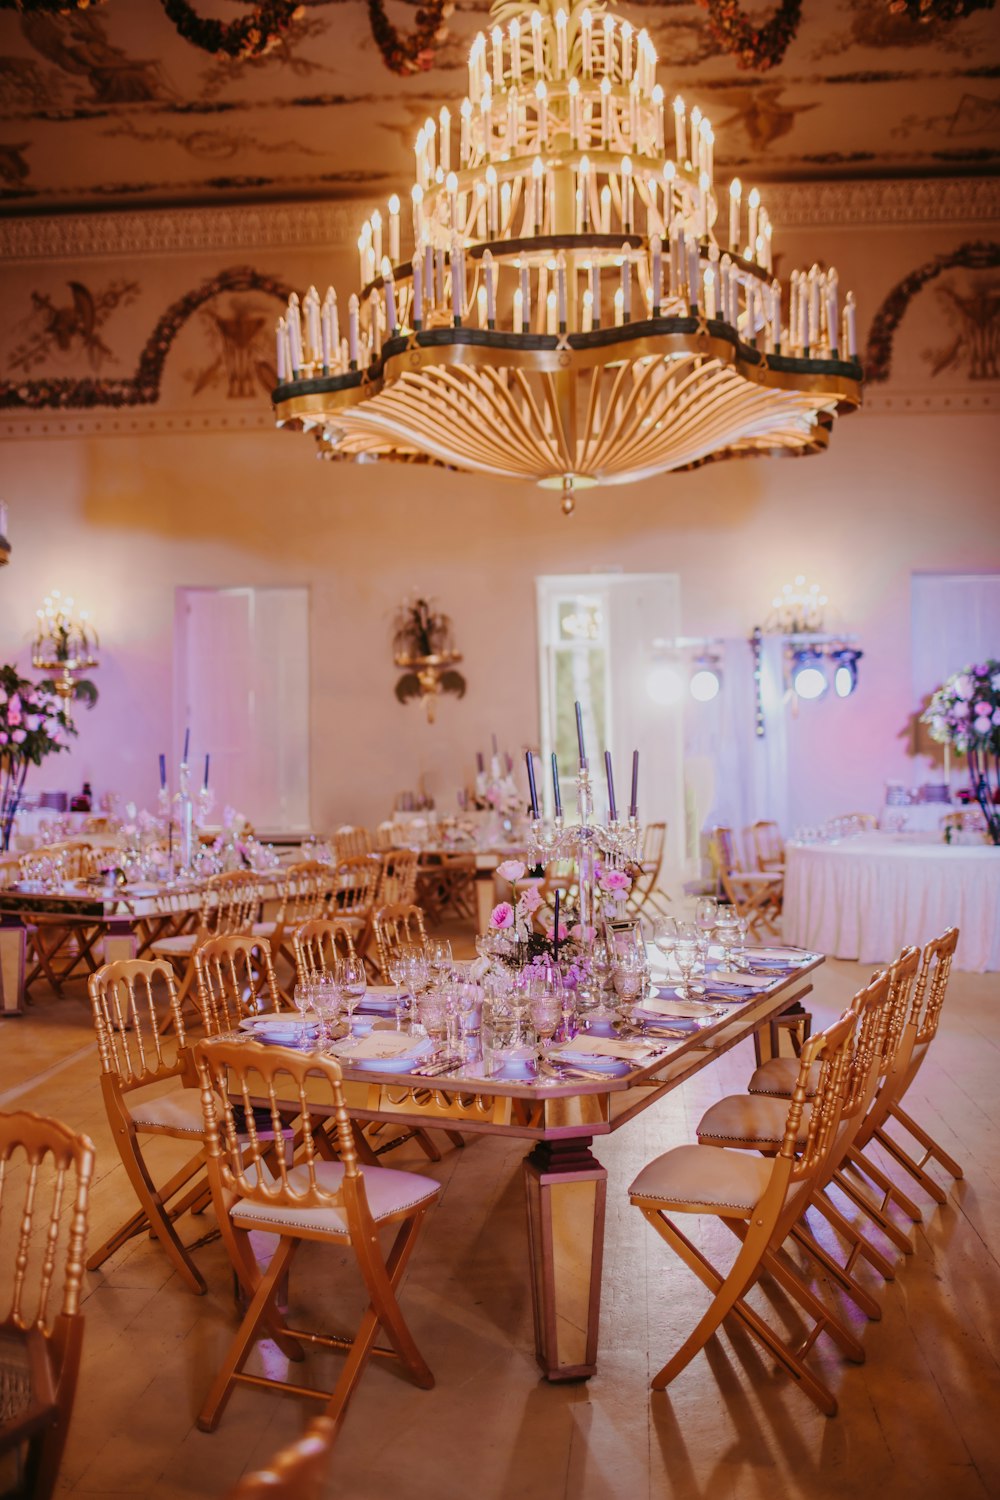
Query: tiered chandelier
[{"x": 577, "y": 307}]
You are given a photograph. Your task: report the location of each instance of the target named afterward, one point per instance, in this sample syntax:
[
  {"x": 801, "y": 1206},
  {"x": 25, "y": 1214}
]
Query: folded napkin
[
  {"x": 668, "y": 1007},
  {"x": 601, "y": 1046},
  {"x": 383, "y": 1045},
  {"x": 739, "y": 980},
  {"x": 779, "y": 955}
]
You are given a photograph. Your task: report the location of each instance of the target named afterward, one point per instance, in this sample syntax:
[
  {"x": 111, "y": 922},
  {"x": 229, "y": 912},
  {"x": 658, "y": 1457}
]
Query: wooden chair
[
  {"x": 45, "y": 1178},
  {"x": 235, "y": 980},
  {"x": 756, "y": 1122},
  {"x": 398, "y": 881},
  {"x": 320, "y": 944},
  {"x": 768, "y": 847},
  {"x": 127, "y": 999},
  {"x": 758, "y": 1199},
  {"x": 646, "y": 876},
  {"x": 333, "y": 1203},
  {"x": 230, "y": 904},
  {"x": 754, "y": 894},
  {"x": 354, "y": 891},
  {"x": 306, "y": 893},
  {"x": 296, "y": 1472},
  {"x": 58, "y": 945},
  {"x": 446, "y": 885},
  {"x": 396, "y": 924},
  {"x": 918, "y": 1034},
  {"x": 351, "y": 843}
]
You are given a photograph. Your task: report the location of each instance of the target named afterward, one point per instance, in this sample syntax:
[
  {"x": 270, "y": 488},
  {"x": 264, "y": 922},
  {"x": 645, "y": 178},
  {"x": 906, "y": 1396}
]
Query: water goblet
[
  {"x": 629, "y": 978},
  {"x": 432, "y": 1008},
  {"x": 438, "y": 955},
  {"x": 304, "y": 1000},
  {"x": 726, "y": 934},
  {"x": 327, "y": 998},
  {"x": 665, "y": 938},
  {"x": 687, "y": 957},
  {"x": 353, "y": 982},
  {"x": 399, "y": 973},
  {"x": 706, "y": 913}
]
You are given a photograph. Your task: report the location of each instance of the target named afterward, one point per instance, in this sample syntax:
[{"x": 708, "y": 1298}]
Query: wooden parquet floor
[{"x": 920, "y": 1418}]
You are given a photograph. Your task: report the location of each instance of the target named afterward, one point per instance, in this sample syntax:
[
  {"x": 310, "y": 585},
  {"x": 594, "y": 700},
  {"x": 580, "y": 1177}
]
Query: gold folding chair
[
  {"x": 306, "y": 893},
  {"x": 756, "y": 1122},
  {"x": 754, "y": 894},
  {"x": 296, "y": 1472},
  {"x": 394, "y": 925},
  {"x": 320, "y": 945},
  {"x": 646, "y": 876},
  {"x": 918, "y": 1034},
  {"x": 328, "y": 1202},
  {"x": 128, "y": 999},
  {"x": 758, "y": 1199},
  {"x": 230, "y": 904},
  {"x": 397, "y": 884},
  {"x": 351, "y": 843},
  {"x": 356, "y": 882},
  {"x": 48, "y": 1167},
  {"x": 768, "y": 846},
  {"x": 235, "y": 980}
]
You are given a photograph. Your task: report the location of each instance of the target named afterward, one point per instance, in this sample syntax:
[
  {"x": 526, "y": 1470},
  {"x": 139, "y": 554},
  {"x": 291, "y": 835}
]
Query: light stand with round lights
[
  {"x": 812, "y": 660},
  {"x": 706, "y": 679}
]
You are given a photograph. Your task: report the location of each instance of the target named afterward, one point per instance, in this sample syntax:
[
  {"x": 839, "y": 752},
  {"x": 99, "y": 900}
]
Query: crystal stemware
[{"x": 353, "y": 982}]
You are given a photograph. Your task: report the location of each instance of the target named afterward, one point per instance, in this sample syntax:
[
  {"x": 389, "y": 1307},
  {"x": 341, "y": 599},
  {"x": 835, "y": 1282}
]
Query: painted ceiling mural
[{"x": 146, "y": 102}]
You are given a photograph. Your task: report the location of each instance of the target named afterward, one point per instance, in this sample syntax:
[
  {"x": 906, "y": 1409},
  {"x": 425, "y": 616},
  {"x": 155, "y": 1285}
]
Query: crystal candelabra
[
  {"x": 618, "y": 844},
  {"x": 576, "y": 303}
]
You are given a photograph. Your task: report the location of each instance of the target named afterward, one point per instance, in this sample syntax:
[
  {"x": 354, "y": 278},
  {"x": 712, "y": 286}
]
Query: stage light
[
  {"x": 845, "y": 672},
  {"x": 809, "y": 680},
  {"x": 664, "y": 683},
  {"x": 706, "y": 680}
]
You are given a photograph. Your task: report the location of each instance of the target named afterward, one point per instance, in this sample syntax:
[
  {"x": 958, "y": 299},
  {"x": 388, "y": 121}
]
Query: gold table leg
[
  {"x": 566, "y": 1188},
  {"x": 12, "y": 948}
]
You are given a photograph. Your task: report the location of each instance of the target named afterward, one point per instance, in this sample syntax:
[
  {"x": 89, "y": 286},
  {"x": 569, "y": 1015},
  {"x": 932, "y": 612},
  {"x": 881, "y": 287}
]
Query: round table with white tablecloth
[{"x": 868, "y": 896}]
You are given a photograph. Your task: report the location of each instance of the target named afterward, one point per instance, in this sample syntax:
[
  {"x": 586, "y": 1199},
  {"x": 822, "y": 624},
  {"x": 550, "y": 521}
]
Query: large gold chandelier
[{"x": 577, "y": 307}]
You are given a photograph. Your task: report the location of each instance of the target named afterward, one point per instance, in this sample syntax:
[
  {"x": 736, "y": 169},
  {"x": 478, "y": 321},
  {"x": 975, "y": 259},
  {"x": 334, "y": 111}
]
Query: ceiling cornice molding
[{"x": 301, "y": 226}]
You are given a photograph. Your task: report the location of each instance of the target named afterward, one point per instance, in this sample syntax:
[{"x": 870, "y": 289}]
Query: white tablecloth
[{"x": 867, "y": 897}]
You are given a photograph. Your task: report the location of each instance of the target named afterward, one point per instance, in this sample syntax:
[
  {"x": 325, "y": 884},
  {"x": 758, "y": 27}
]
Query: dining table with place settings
[
  {"x": 561, "y": 1099},
  {"x": 866, "y": 896}
]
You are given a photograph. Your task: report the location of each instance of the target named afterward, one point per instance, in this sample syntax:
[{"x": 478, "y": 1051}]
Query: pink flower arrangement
[
  {"x": 965, "y": 710},
  {"x": 33, "y": 724},
  {"x": 614, "y": 881},
  {"x": 502, "y": 916},
  {"x": 512, "y": 870}
]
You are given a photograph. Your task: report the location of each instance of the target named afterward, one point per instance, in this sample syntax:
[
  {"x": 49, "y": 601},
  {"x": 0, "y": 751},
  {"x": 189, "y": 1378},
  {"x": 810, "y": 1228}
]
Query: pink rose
[
  {"x": 4, "y": 736},
  {"x": 19, "y": 736},
  {"x": 964, "y": 687},
  {"x": 512, "y": 870},
  {"x": 531, "y": 899},
  {"x": 960, "y": 711},
  {"x": 579, "y": 935},
  {"x": 563, "y": 932},
  {"x": 32, "y": 722},
  {"x": 615, "y": 880},
  {"x": 981, "y": 726},
  {"x": 981, "y": 708},
  {"x": 502, "y": 916}
]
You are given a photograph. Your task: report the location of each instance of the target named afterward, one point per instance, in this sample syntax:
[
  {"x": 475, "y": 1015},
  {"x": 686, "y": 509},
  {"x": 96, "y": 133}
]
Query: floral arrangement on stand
[
  {"x": 964, "y": 715},
  {"x": 423, "y": 646},
  {"x": 33, "y": 725},
  {"x": 516, "y": 943}
]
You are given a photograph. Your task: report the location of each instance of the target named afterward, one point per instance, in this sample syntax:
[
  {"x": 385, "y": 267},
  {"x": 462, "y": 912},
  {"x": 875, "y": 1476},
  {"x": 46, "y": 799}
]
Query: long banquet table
[
  {"x": 867, "y": 896},
  {"x": 565, "y": 1183}
]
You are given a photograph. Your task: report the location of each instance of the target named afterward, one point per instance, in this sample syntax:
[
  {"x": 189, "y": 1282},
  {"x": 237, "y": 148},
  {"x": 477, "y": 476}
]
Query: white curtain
[{"x": 955, "y": 620}]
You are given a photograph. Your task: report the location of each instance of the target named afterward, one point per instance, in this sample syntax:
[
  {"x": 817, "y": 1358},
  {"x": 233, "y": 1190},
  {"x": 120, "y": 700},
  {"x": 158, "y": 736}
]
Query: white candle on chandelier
[
  {"x": 605, "y": 110},
  {"x": 587, "y": 315},
  {"x": 693, "y": 273},
  {"x": 642, "y": 58},
  {"x": 724, "y": 266},
  {"x": 465, "y": 131},
  {"x": 362, "y": 258},
  {"x": 626, "y": 36},
  {"x": 352, "y": 330},
  {"x": 656, "y": 255},
  {"x": 331, "y": 313},
  {"x": 417, "y": 310},
  {"x": 793, "y": 311},
  {"x": 505, "y": 199},
  {"x": 679, "y": 130},
  {"x": 669, "y": 177},
  {"x": 605, "y": 209},
  {"x": 376, "y": 222},
  {"x": 561, "y": 290},
  {"x": 562, "y": 51},
  {"x": 518, "y": 310},
  {"x": 619, "y": 307},
  {"x": 609, "y": 45},
  {"x": 832, "y": 315},
  {"x": 513, "y": 119},
  {"x": 282, "y": 358},
  {"x": 814, "y": 289},
  {"x": 486, "y": 119},
  {"x": 389, "y": 287},
  {"x": 394, "y": 228},
  {"x": 776, "y": 311},
  {"x": 538, "y": 194},
  {"x": 429, "y": 272},
  {"x": 710, "y": 308},
  {"x": 496, "y": 39},
  {"x": 479, "y": 212},
  {"x": 654, "y": 224},
  {"x": 658, "y": 134},
  {"x": 851, "y": 326},
  {"x": 451, "y": 185},
  {"x": 439, "y": 275},
  {"x": 524, "y": 280},
  {"x": 595, "y": 292},
  {"x": 626, "y": 286},
  {"x": 633, "y": 115},
  {"x": 514, "y": 36},
  {"x": 574, "y": 111},
  {"x": 753, "y": 205},
  {"x": 695, "y": 138},
  {"x": 704, "y": 191},
  {"x": 587, "y": 42},
  {"x": 457, "y": 279},
  {"x": 312, "y": 322},
  {"x": 628, "y": 195},
  {"x": 492, "y": 201},
  {"x": 708, "y": 148},
  {"x": 419, "y": 165},
  {"x": 541, "y": 106},
  {"x": 444, "y": 139},
  {"x": 583, "y": 173},
  {"x": 678, "y": 262},
  {"x": 551, "y": 313},
  {"x": 537, "y": 62},
  {"x": 481, "y": 312},
  {"x": 489, "y": 277}
]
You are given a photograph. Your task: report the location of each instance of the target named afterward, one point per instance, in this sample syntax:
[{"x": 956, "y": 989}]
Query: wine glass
[
  {"x": 327, "y": 998},
  {"x": 432, "y": 1008},
  {"x": 438, "y": 955},
  {"x": 665, "y": 938},
  {"x": 726, "y": 933},
  {"x": 398, "y": 968},
  {"x": 706, "y": 913},
  {"x": 353, "y": 982},
  {"x": 304, "y": 999},
  {"x": 629, "y": 977},
  {"x": 688, "y": 958},
  {"x": 545, "y": 1004}
]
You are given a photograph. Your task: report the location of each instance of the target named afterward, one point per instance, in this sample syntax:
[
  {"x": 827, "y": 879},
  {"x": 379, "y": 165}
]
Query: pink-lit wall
[{"x": 121, "y": 518}]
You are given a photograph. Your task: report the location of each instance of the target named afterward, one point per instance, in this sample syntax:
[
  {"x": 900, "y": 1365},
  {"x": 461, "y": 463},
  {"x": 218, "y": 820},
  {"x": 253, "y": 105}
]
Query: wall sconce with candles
[{"x": 66, "y": 645}]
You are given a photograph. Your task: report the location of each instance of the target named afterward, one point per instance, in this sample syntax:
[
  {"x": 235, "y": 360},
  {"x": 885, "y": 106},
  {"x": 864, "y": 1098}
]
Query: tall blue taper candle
[
  {"x": 187, "y": 745},
  {"x": 529, "y": 760},
  {"x": 633, "y": 811},
  {"x": 612, "y": 809},
  {"x": 163, "y": 772},
  {"x": 205, "y": 782},
  {"x": 555, "y": 785},
  {"x": 579, "y": 736},
  {"x": 555, "y": 932}
]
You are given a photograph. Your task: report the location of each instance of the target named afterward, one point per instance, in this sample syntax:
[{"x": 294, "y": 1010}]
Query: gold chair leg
[
  {"x": 860, "y": 1246},
  {"x": 246, "y": 1336},
  {"x": 154, "y": 1208},
  {"x": 824, "y": 1320},
  {"x": 862, "y": 1299},
  {"x": 932, "y": 1149},
  {"x": 856, "y": 1161},
  {"x": 907, "y": 1162}
]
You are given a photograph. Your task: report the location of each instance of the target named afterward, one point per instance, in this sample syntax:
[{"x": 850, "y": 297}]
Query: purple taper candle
[
  {"x": 163, "y": 772},
  {"x": 508, "y": 762},
  {"x": 555, "y": 785},
  {"x": 205, "y": 782},
  {"x": 480, "y": 767},
  {"x": 579, "y": 736},
  {"x": 529, "y": 761},
  {"x": 187, "y": 745},
  {"x": 494, "y": 739},
  {"x": 612, "y": 809},
  {"x": 633, "y": 810},
  {"x": 555, "y": 932}
]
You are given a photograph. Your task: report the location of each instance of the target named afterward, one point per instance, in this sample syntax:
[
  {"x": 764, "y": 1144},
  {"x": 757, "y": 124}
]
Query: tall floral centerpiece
[
  {"x": 965, "y": 714},
  {"x": 33, "y": 724}
]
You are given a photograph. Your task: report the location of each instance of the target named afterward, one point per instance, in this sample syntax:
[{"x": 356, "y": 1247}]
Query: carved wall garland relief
[{"x": 974, "y": 255}]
